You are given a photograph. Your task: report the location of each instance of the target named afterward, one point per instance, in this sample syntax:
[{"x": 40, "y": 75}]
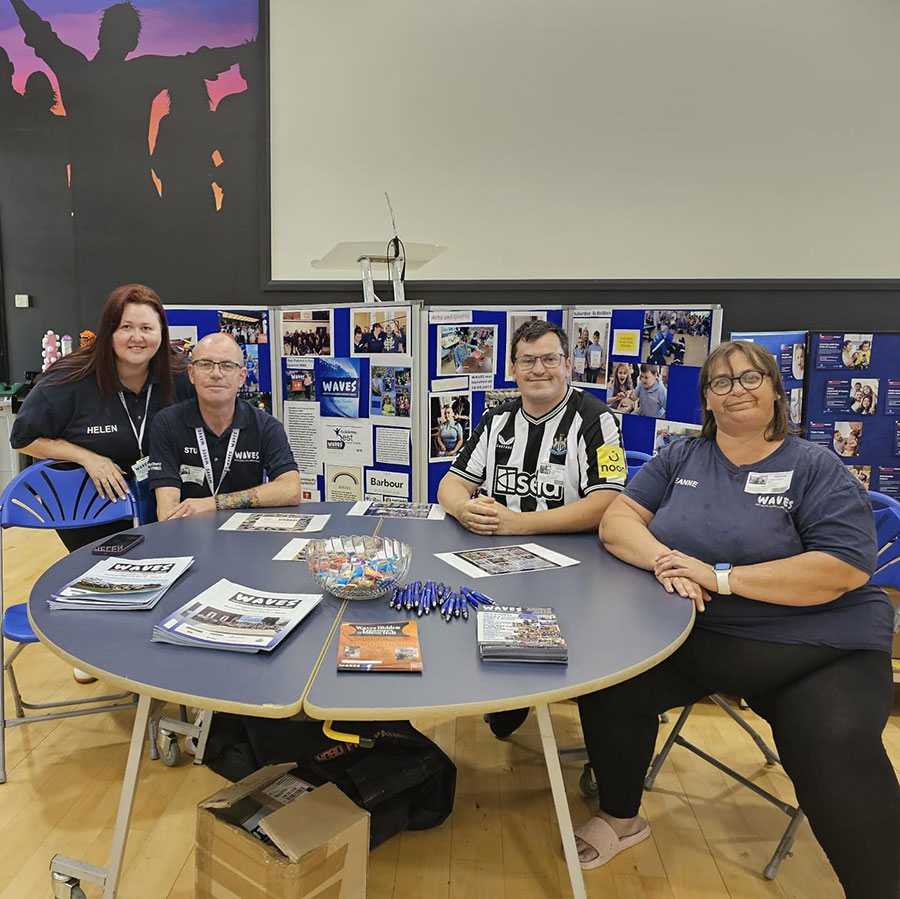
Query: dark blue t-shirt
[{"x": 799, "y": 499}]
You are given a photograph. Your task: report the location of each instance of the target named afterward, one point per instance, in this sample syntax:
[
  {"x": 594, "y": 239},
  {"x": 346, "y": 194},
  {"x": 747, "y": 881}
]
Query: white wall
[{"x": 590, "y": 138}]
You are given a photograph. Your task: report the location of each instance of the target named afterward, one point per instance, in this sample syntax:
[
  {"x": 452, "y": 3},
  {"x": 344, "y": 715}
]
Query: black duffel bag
[{"x": 404, "y": 780}]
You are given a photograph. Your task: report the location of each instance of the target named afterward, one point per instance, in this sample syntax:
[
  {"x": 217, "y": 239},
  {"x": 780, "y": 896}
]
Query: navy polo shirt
[
  {"x": 262, "y": 448},
  {"x": 800, "y": 498},
  {"x": 77, "y": 412}
]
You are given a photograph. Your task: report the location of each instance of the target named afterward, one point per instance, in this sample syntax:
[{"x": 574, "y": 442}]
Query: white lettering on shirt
[
  {"x": 685, "y": 482},
  {"x": 247, "y": 456},
  {"x": 102, "y": 429},
  {"x": 775, "y": 502}
]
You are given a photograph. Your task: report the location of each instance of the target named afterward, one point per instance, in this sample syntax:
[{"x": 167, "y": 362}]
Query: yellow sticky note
[
  {"x": 611, "y": 462},
  {"x": 626, "y": 343}
]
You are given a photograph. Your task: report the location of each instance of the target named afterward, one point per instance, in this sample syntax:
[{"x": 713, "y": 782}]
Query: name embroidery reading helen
[{"x": 103, "y": 429}]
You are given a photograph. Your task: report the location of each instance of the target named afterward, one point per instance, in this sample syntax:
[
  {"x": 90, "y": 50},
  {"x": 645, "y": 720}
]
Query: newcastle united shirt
[{"x": 533, "y": 464}]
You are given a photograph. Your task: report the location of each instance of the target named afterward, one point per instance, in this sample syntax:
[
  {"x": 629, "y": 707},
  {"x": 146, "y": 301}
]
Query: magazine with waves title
[{"x": 379, "y": 646}]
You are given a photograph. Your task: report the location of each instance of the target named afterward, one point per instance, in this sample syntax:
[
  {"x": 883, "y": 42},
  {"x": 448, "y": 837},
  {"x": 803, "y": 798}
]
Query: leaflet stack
[
  {"x": 516, "y": 634},
  {"x": 121, "y": 584}
]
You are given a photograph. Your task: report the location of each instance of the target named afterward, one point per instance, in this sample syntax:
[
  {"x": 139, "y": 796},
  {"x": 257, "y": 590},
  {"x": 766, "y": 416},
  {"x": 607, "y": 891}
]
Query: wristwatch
[{"x": 723, "y": 570}]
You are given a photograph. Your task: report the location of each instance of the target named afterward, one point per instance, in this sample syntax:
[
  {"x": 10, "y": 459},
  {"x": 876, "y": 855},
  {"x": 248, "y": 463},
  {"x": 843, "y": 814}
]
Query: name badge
[
  {"x": 552, "y": 473},
  {"x": 141, "y": 469},
  {"x": 768, "y": 481},
  {"x": 192, "y": 474}
]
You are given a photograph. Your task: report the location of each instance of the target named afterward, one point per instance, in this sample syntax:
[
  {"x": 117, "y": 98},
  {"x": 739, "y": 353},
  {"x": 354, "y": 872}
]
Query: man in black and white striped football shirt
[{"x": 548, "y": 462}]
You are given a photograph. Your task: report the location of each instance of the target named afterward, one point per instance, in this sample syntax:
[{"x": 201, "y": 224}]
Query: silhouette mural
[{"x": 118, "y": 177}]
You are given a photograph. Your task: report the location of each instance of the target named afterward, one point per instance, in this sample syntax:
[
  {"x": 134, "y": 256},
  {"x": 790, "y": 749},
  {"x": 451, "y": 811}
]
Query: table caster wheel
[
  {"x": 169, "y": 751},
  {"x": 587, "y": 783},
  {"x": 65, "y": 887}
]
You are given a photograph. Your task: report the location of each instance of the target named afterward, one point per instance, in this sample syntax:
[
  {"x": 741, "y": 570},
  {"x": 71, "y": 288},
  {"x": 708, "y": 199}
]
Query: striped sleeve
[
  {"x": 471, "y": 461},
  {"x": 601, "y": 454}
]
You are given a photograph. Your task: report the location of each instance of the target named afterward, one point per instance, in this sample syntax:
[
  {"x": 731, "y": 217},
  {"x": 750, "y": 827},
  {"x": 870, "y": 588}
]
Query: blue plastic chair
[
  {"x": 887, "y": 531},
  {"x": 634, "y": 459},
  {"x": 53, "y": 495}
]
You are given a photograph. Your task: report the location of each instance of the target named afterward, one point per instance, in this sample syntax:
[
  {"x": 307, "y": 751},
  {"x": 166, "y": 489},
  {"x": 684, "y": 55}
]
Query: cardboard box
[{"x": 323, "y": 837}]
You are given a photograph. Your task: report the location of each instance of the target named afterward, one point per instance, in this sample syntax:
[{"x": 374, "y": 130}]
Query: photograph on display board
[
  {"x": 514, "y": 321},
  {"x": 795, "y": 405},
  {"x": 450, "y": 422},
  {"x": 676, "y": 336},
  {"x": 797, "y": 354},
  {"x": 467, "y": 349},
  {"x": 496, "y": 397},
  {"x": 638, "y": 389},
  {"x": 847, "y": 438},
  {"x": 377, "y": 331},
  {"x": 838, "y": 351},
  {"x": 666, "y": 432},
  {"x": 589, "y": 347},
  {"x": 300, "y": 383},
  {"x": 390, "y": 391},
  {"x": 862, "y": 473},
  {"x": 864, "y": 396},
  {"x": 245, "y": 326},
  {"x": 307, "y": 332}
]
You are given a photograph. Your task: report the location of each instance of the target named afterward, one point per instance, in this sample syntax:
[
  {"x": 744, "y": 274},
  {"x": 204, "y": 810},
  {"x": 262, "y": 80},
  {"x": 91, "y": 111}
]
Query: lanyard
[
  {"x": 207, "y": 465},
  {"x": 138, "y": 435}
]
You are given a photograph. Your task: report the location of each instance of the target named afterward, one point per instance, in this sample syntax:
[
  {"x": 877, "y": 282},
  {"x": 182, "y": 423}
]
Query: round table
[{"x": 617, "y": 620}]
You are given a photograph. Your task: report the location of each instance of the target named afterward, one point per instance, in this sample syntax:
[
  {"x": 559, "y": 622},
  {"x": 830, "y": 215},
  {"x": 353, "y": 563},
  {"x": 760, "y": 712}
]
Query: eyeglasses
[
  {"x": 750, "y": 380},
  {"x": 207, "y": 365},
  {"x": 548, "y": 360}
]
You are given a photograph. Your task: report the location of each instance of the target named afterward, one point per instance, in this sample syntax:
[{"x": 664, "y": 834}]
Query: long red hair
[{"x": 99, "y": 360}]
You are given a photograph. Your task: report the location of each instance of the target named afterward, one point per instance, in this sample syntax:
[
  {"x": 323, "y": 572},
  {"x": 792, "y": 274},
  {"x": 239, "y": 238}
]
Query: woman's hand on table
[
  {"x": 108, "y": 478},
  {"x": 686, "y": 576}
]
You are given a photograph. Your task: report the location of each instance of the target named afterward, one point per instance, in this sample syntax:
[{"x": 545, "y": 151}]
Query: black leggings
[{"x": 827, "y": 708}]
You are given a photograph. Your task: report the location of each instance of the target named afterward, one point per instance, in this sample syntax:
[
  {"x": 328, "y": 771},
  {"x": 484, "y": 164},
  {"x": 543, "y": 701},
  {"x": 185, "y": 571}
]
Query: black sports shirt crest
[{"x": 533, "y": 464}]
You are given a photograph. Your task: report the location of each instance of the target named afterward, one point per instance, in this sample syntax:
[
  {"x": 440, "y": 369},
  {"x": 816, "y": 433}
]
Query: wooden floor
[{"x": 710, "y": 838}]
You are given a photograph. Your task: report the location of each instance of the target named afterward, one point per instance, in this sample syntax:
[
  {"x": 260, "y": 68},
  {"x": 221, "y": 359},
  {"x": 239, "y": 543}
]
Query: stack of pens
[{"x": 424, "y": 598}]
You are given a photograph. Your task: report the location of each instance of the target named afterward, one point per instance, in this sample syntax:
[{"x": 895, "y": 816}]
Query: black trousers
[{"x": 827, "y": 708}]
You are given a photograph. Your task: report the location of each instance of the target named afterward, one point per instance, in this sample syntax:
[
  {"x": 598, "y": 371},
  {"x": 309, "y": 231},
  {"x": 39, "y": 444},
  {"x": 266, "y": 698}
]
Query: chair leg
[
  {"x": 205, "y": 723},
  {"x": 663, "y": 754},
  {"x": 2, "y": 712},
  {"x": 13, "y": 683},
  {"x": 784, "y": 847},
  {"x": 770, "y": 755}
]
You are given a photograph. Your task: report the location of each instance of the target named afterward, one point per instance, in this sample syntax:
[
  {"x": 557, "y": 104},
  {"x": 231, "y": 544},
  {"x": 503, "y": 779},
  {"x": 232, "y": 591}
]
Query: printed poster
[
  {"x": 303, "y": 427},
  {"x": 343, "y": 484},
  {"x": 347, "y": 442},
  {"x": 338, "y": 388}
]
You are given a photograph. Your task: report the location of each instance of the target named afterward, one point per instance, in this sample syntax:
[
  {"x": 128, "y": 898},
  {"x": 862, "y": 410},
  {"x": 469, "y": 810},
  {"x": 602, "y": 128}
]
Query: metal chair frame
[{"x": 51, "y": 495}]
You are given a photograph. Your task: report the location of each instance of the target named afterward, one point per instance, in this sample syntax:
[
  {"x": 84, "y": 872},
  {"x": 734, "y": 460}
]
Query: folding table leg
[
  {"x": 558, "y": 788},
  {"x": 110, "y": 877}
]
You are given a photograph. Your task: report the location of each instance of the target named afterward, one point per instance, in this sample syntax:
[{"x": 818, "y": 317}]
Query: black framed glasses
[
  {"x": 724, "y": 384},
  {"x": 226, "y": 368},
  {"x": 548, "y": 360}
]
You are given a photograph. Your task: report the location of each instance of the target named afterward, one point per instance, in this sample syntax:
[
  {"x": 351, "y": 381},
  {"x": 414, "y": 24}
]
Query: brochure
[
  {"x": 122, "y": 584},
  {"x": 268, "y": 521},
  {"x": 379, "y": 646},
  {"x": 380, "y": 509},
  {"x": 496, "y": 560},
  {"x": 229, "y": 616},
  {"x": 515, "y": 634}
]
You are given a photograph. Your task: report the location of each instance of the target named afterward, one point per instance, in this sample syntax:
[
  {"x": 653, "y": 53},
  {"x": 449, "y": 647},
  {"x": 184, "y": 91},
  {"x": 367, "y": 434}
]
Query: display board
[
  {"x": 853, "y": 403},
  {"x": 349, "y": 398},
  {"x": 649, "y": 371},
  {"x": 467, "y": 371},
  {"x": 251, "y": 328},
  {"x": 791, "y": 351}
]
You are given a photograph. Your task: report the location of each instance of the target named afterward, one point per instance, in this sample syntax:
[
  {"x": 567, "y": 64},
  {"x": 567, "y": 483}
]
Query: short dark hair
[
  {"x": 535, "y": 330},
  {"x": 654, "y": 370}
]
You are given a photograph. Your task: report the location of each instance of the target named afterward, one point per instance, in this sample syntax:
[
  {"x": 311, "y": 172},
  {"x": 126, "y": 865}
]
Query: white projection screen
[{"x": 589, "y": 138}]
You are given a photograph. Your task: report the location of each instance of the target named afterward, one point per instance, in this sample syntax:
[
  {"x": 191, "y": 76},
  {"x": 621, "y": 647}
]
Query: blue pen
[
  {"x": 481, "y": 598},
  {"x": 456, "y": 607},
  {"x": 464, "y": 608},
  {"x": 419, "y": 605},
  {"x": 453, "y": 600},
  {"x": 444, "y": 606}
]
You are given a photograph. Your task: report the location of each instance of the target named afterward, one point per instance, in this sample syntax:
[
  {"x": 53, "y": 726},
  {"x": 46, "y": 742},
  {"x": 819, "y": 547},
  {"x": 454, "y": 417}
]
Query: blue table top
[{"x": 617, "y": 621}]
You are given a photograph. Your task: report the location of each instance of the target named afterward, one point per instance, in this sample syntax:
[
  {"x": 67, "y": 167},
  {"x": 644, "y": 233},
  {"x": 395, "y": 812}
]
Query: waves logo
[{"x": 338, "y": 387}]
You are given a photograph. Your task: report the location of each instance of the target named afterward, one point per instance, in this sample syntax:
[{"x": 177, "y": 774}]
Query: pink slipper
[{"x": 598, "y": 834}]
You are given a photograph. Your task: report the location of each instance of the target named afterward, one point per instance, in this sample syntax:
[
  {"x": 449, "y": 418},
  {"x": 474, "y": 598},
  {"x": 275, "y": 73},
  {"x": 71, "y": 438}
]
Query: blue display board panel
[
  {"x": 497, "y": 318},
  {"x": 853, "y": 403}
]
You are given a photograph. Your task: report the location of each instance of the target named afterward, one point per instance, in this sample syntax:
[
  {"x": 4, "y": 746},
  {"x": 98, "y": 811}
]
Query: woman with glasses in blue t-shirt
[{"x": 773, "y": 540}]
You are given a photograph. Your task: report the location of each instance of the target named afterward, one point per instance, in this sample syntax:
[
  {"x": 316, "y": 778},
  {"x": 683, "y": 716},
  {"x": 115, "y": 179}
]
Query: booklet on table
[
  {"x": 516, "y": 634},
  {"x": 287, "y": 522},
  {"x": 379, "y": 646},
  {"x": 122, "y": 584},
  {"x": 229, "y": 616}
]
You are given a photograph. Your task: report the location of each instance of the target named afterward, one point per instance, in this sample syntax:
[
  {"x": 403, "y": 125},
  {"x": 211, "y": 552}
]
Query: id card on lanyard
[
  {"x": 140, "y": 468},
  {"x": 207, "y": 463}
]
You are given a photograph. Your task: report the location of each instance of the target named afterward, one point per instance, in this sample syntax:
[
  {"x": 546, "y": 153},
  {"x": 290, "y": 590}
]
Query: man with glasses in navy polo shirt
[{"x": 212, "y": 452}]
